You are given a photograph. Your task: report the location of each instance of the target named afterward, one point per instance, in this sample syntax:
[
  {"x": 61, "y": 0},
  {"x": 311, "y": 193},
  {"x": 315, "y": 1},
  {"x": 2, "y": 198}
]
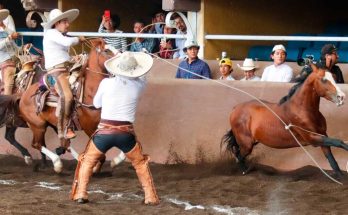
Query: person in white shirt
[
  {"x": 279, "y": 71},
  {"x": 58, "y": 62},
  {"x": 225, "y": 68},
  {"x": 8, "y": 49},
  {"x": 180, "y": 43},
  {"x": 249, "y": 69},
  {"x": 117, "y": 97}
]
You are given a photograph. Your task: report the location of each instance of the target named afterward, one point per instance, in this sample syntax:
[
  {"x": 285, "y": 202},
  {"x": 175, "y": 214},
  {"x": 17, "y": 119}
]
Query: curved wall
[{"x": 184, "y": 120}]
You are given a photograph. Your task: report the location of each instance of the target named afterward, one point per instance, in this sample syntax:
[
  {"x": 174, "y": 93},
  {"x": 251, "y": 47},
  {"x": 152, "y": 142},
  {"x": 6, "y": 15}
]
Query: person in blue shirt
[{"x": 192, "y": 63}]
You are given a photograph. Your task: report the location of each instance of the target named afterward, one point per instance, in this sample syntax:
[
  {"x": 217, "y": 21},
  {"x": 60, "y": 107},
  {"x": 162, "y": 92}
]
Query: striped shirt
[{"x": 119, "y": 43}]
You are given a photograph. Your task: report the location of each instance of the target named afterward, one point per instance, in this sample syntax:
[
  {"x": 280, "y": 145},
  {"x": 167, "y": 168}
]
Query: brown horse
[
  {"x": 88, "y": 117},
  {"x": 252, "y": 122}
]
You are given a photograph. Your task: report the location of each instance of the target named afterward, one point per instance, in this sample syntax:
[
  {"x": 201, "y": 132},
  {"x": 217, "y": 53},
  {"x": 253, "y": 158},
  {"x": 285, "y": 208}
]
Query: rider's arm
[{"x": 59, "y": 38}]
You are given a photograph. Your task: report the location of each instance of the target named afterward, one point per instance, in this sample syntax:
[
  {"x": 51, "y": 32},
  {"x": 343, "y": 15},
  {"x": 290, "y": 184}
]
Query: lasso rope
[{"x": 287, "y": 127}]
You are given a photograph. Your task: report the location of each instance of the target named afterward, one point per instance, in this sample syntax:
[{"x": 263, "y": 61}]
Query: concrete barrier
[{"x": 184, "y": 121}]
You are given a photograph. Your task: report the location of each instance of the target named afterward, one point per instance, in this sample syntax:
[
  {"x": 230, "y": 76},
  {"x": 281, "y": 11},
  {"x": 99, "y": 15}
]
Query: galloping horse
[
  {"x": 252, "y": 122},
  {"x": 88, "y": 117}
]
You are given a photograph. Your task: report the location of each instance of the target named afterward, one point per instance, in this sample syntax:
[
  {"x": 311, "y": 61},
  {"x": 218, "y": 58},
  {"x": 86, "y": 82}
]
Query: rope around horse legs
[{"x": 287, "y": 127}]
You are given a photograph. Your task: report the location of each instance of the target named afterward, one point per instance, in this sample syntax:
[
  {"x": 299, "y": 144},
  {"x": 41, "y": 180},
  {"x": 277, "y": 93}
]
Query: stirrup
[{"x": 70, "y": 134}]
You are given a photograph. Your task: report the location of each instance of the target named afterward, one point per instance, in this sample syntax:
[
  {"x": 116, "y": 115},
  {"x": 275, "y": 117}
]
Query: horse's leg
[
  {"x": 10, "y": 136},
  {"x": 333, "y": 163},
  {"x": 39, "y": 143},
  {"x": 335, "y": 143},
  {"x": 118, "y": 159}
]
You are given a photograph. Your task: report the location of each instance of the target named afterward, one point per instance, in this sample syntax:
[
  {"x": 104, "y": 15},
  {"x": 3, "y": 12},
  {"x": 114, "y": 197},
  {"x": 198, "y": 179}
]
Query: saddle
[{"x": 46, "y": 95}]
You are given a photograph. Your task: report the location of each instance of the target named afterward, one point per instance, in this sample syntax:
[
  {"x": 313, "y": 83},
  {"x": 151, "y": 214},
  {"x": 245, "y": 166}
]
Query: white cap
[{"x": 279, "y": 47}]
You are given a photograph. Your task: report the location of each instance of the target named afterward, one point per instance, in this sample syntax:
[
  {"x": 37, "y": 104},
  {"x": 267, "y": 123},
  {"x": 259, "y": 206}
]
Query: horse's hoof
[
  {"x": 82, "y": 201},
  {"x": 58, "y": 166},
  {"x": 28, "y": 160}
]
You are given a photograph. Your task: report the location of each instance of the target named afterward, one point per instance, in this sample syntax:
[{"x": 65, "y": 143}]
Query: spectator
[
  {"x": 249, "y": 70},
  {"x": 192, "y": 63},
  {"x": 167, "y": 46},
  {"x": 158, "y": 22},
  {"x": 110, "y": 25},
  {"x": 225, "y": 68},
  {"x": 279, "y": 71},
  {"x": 180, "y": 43},
  {"x": 330, "y": 58},
  {"x": 140, "y": 43}
]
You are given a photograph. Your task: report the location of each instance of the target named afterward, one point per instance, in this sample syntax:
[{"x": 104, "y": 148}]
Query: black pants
[{"x": 124, "y": 141}]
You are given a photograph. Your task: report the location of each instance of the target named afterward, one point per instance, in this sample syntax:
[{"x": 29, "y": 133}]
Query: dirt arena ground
[{"x": 184, "y": 189}]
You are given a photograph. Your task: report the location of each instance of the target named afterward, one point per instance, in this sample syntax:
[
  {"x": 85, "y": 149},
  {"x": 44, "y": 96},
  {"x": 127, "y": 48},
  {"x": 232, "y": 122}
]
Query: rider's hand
[
  {"x": 82, "y": 39},
  {"x": 14, "y": 35}
]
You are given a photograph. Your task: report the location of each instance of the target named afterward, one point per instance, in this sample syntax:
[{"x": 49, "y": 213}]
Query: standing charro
[
  {"x": 7, "y": 50},
  {"x": 58, "y": 63},
  {"x": 117, "y": 96}
]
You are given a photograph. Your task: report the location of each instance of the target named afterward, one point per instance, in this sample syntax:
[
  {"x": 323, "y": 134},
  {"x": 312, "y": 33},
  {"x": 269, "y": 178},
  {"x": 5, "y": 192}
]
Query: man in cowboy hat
[
  {"x": 249, "y": 70},
  {"x": 7, "y": 50},
  {"x": 192, "y": 63},
  {"x": 117, "y": 97},
  {"x": 57, "y": 62},
  {"x": 279, "y": 71}
]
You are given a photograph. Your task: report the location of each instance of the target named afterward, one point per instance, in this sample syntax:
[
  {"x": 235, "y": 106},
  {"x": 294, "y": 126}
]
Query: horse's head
[
  {"x": 98, "y": 55},
  {"x": 325, "y": 85}
]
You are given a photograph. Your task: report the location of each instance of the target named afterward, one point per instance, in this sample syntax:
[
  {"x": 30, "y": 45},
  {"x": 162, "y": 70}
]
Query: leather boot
[
  {"x": 84, "y": 171},
  {"x": 141, "y": 166}
]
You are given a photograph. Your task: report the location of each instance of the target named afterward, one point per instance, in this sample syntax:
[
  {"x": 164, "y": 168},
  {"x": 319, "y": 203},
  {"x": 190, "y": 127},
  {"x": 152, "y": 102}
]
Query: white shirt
[
  {"x": 254, "y": 78},
  {"x": 180, "y": 44},
  {"x": 56, "y": 47},
  {"x": 118, "y": 97},
  {"x": 9, "y": 23},
  {"x": 229, "y": 77},
  {"x": 8, "y": 47},
  {"x": 280, "y": 73}
]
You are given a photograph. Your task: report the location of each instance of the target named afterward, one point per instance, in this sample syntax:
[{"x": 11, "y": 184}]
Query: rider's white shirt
[
  {"x": 118, "y": 97},
  {"x": 56, "y": 47},
  {"x": 280, "y": 73}
]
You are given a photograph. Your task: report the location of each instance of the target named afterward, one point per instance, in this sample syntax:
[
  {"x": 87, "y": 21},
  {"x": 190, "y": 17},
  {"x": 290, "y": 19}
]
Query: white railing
[
  {"x": 274, "y": 38},
  {"x": 96, "y": 34},
  {"x": 208, "y": 36}
]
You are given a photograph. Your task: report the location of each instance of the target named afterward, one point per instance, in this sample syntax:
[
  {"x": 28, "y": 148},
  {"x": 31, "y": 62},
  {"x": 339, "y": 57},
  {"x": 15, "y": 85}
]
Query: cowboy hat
[
  {"x": 56, "y": 15},
  {"x": 4, "y": 14},
  {"x": 248, "y": 65},
  {"x": 129, "y": 64},
  {"x": 190, "y": 43}
]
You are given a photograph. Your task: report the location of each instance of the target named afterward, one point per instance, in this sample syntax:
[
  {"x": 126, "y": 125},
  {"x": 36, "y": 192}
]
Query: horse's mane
[{"x": 306, "y": 71}]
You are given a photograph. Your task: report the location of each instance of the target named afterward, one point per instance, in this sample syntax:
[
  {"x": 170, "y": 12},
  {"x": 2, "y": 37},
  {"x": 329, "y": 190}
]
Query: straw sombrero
[
  {"x": 129, "y": 64},
  {"x": 56, "y": 15},
  {"x": 248, "y": 65},
  {"x": 4, "y": 14}
]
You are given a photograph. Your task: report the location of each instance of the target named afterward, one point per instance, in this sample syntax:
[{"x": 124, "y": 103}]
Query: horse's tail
[
  {"x": 232, "y": 145},
  {"x": 9, "y": 110}
]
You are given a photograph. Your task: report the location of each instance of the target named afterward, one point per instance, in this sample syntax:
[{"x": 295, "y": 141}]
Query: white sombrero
[
  {"x": 248, "y": 65},
  {"x": 4, "y": 14},
  {"x": 56, "y": 15},
  {"x": 129, "y": 64}
]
